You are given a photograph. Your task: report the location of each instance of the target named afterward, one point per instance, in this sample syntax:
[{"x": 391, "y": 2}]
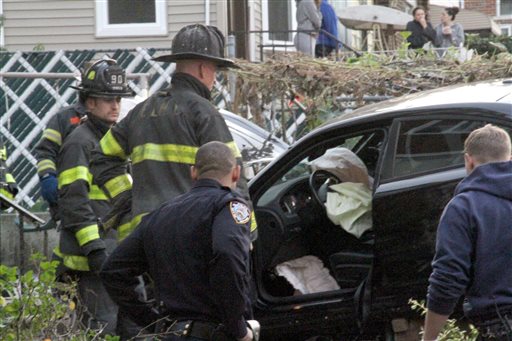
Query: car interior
[{"x": 295, "y": 223}]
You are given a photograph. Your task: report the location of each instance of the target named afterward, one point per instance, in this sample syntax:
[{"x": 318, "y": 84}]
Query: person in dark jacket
[
  {"x": 325, "y": 44},
  {"x": 162, "y": 134},
  {"x": 83, "y": 244},
  {"x": 47, "y": 150},
  {"x": 421, "y": 29},
  {"x": 196, "y": 249},
  {"x": 473, "y": 242}
]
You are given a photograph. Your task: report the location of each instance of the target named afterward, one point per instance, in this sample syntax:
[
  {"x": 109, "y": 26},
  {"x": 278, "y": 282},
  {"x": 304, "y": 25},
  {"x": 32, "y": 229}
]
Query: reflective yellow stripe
[
  {"x": 164, "y": 152},
  {"x": 9, "y": 178},
  {"x": 73, "y": 174},
  {"x": 110, "y": 146},
  {"x": 118, "y": 185},
  {"x": 71, "y": 261},
  {"x": 96, "y": 193},
  {"x": 234, "y": 149},
  {"x": 3, "y": 153},
  {"x": 254, "y": 225},
  {"x": 45, "y": 164},
  {"x": 124, "y": 230},
  {"x": 6, "y": 194},
  {"x": 52, "y": 135},
  {"x": 86, "y": 234}
]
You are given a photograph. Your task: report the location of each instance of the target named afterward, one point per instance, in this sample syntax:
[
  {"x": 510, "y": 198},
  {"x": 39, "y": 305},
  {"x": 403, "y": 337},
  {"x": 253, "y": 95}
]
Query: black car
[{"x": 412, "y": 148}]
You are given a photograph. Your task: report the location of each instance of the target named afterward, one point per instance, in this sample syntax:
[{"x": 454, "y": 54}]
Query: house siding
[{"x": 71, "y": 24}]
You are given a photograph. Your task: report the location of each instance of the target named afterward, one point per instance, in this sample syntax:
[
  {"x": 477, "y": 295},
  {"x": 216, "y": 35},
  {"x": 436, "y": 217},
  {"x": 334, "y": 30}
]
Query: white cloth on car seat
[
  {"x": 350, "y": 206},
  {"x": 307, "y": 274}
]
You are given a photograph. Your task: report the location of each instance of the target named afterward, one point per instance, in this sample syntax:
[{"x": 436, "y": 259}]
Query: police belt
[{"x": 198, "y": 329}]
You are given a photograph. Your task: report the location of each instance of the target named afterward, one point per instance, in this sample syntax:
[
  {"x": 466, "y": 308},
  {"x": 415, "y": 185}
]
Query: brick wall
[{"x": 485, "y": 6}]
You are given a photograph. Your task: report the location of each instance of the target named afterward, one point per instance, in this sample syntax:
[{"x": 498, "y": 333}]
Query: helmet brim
[
  {"x": 221, "y": 62},
  {"x": 93, "y": 93}
]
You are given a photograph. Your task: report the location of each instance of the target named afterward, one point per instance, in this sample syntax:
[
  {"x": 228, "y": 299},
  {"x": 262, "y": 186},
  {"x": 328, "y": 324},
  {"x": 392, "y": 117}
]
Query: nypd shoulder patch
[{"x": 240, "y": 212}]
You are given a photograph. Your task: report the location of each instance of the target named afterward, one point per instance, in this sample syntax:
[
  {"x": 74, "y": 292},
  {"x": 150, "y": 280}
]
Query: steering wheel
[{"x": 319, "y": 182}]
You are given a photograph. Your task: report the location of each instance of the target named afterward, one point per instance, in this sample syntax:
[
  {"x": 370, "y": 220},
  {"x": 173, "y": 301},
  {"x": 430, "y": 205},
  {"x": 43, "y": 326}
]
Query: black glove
[{"x": 96, "y": 259}]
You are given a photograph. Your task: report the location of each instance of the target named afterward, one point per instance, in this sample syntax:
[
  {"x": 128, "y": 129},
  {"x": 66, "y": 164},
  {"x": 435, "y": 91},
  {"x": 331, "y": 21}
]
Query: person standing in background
[
  {"x": 420, "y": 28},
  {"x": 325, "y": 44},
  {"x": 448, "y": 32},
  {"x": 309, "y": 21}
]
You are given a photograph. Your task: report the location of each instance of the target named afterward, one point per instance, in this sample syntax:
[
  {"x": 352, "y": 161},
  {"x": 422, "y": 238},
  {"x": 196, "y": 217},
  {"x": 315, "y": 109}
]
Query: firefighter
[
  {"x": 8, "y": 186},
  {"x": 47, "y": 150},
  {"x": 162, "y": 134},
  {"x": 84, "y": 244},
  {"x": 196, "y": 248}
]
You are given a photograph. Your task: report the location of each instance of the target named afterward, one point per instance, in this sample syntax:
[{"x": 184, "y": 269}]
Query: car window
[
  {"x": 426, "y": 145},
  {"x": 365, "y": 145}
]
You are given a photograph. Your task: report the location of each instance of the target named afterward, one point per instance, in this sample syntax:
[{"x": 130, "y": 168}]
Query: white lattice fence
[{"x": 35, "y": 85}]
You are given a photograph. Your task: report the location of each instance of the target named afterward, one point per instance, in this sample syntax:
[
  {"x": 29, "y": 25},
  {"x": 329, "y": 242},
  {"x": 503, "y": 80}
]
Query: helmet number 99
[{"x": 116, "y": 79}]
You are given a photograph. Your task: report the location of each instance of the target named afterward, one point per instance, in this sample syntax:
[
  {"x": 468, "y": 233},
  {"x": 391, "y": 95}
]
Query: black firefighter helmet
[
  {"x": 198, "y": 41},
  {"x": 104, "y": 78}
]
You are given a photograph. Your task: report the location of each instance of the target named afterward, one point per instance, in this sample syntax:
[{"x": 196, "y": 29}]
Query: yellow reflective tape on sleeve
[
  {"x": 234, "y": 149},
  {"x": 53, "y": 135},
  {"x": 164, "y": 152},
  {"x": 118, "y": 185},
  {"x": 110, "y": 146},
  {"x": 45, "y": 164},
  {"x": 72, "y": 262},
  {"x": 124, "y": 230},
  {"x": 96, "y": 193},
  {"x": 254, "y": 225},
  {"x": 87, "y": 234},
  {"x": 9, "y": 178},
  {"x": 3, "y": 153},
  {"x": 73, "y": 174},
  {"x": 6, "y": 194}
]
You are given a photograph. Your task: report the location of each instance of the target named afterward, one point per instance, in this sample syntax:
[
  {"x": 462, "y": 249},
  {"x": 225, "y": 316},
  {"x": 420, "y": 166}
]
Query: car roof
[{"x": 495, "y": 91}]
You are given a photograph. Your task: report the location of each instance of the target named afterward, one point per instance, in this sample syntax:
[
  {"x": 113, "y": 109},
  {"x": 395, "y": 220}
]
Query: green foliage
[
  {"x": 452, "y": 331},
  {"x": 34, "y": 306},
  {"x": 490, "y": 45}
]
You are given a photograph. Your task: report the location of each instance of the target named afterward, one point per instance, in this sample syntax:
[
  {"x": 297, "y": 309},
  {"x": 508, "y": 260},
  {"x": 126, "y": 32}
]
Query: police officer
[
  {"x": 47, "y": 150},
  {"x": 162, "y": 134},
  {"x": 196, "y": 248},
  {"x": 83, "y": 243}
]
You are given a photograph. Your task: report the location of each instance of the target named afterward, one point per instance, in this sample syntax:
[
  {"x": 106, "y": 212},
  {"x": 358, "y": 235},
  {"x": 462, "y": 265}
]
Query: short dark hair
[
  {"x": 488, "y": 144},
  {"x": 416, "y": 9},
  {"x": 214, "y": 160}
]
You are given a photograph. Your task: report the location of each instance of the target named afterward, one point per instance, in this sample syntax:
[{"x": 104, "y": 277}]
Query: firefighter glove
[
  {"x": 96, "y": 259},
  {"x": 49, "y": 188}
]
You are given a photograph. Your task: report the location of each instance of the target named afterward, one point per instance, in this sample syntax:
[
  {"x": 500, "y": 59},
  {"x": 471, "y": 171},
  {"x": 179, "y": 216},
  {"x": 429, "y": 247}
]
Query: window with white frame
[
  {"x": 122, "y": 18},
  {"x": 279, "y": 20},
  {"x": 504, "y": 8}
]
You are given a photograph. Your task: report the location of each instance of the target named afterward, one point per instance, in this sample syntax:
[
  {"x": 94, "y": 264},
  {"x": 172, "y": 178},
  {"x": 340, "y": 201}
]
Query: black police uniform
[{"x": 196, "y": 249}]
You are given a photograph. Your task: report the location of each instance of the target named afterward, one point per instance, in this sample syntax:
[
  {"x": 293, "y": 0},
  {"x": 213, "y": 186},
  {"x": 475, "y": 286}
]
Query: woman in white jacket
[{"x": 309, "y": 20}]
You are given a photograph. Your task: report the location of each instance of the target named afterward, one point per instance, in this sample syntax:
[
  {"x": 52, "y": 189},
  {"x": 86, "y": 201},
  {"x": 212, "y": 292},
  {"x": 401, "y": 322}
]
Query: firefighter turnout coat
[
  {"x": 8, "y": 186},
  {"x": 81, "y": 201},
  {"x": 161, "y": 137},
  {"x": 58, "y": 128}
]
